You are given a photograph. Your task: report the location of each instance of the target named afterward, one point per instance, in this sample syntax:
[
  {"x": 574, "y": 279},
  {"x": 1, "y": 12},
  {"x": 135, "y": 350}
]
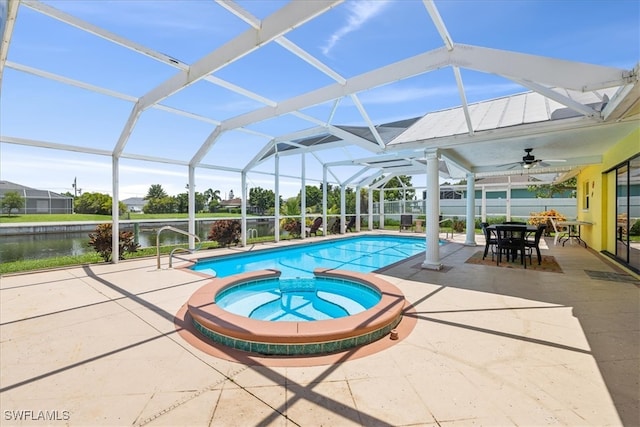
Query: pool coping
[{"x": 295, "y": 338}]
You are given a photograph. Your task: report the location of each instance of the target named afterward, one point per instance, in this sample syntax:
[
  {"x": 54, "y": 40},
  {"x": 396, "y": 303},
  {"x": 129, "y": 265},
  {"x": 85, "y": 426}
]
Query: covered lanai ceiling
[{"x": 208, "y": 106}]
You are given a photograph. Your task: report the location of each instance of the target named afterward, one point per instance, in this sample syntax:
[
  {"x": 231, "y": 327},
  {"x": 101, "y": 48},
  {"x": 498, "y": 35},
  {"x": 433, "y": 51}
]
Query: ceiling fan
[{"x": 529, "y": 160}]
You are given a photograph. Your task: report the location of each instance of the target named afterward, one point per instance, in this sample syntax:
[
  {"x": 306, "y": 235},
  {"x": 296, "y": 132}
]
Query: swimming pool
[{"x": 362, "y": 254}]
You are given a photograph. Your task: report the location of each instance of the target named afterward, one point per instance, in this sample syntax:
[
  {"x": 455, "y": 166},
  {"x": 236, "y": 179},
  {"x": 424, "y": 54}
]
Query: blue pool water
[
  {"x": 299, "y": 299},
  {"x": 362, "y": 254}
]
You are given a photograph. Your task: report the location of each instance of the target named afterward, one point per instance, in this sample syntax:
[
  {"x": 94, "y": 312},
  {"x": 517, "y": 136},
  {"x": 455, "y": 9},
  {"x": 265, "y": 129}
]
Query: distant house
[
  {"x": 134, "y": 204},
  {"x": 231, "y": 204},
  {"x": 38, "y": 201},
  {"x": 234, "y": 205}
]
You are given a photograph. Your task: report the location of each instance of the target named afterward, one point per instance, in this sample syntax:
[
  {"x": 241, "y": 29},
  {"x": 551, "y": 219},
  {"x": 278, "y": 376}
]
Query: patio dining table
[{"x": 528, "y": 229}]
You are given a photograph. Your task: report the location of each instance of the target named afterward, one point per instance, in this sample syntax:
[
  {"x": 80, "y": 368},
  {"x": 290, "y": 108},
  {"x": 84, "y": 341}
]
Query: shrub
[
  {"x": 100, "y": 239},
  {"x": 635, "y": 229},
  {"x": 225, "y": 232},
  {"x": 538, "y": 218},
  {"x": 458, "y": 225},
  {"x": 292, "y": 226}
]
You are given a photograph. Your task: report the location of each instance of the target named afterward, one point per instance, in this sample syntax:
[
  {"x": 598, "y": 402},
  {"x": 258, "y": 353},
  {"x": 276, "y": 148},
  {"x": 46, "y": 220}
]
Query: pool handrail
[{"x": 177, "y": 230}]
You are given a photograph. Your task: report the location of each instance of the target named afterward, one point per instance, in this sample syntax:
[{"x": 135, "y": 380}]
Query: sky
[{"x": 352, "y": 38}]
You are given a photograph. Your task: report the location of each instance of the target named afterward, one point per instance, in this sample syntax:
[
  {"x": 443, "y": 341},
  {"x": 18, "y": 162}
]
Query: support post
[
  {"x": 370, "y": 209},
  {"x": 276, "y": 228},
  {"x": 471, "y": 208},
  {"x": 509, "y": 198},
  {"x": 432, "y": 252},
  {"x": 325, "y": 226},
  {"x": 303, "y": 197},
  {"x": 343, "y": 208},
  {"x": 115, "y": 209},
  {"x": 381, "y": 210},
  {"x": 484, "y": 204},
  {"x": 358, "y": 202},
  {"x": 192, "y": 206},
  {"x": 243, "y": 208}
]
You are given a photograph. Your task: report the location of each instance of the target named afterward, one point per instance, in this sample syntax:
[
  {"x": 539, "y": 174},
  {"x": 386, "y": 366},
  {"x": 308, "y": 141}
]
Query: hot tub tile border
[{"x": 279, "y": 349}]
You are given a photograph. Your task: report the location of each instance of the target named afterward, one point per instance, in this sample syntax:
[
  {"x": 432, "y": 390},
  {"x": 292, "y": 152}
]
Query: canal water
[{"x": 41, "y": 246}]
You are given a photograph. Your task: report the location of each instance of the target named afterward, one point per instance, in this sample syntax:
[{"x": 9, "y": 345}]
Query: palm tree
[
  {"x": 212, "y": 199},
  {"x": 155, "y": 192},
  {"x": 212, "y": 195}
]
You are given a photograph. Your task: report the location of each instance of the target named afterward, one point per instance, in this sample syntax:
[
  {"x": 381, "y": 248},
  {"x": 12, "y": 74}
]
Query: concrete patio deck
[{"x": 97, "y": 345}]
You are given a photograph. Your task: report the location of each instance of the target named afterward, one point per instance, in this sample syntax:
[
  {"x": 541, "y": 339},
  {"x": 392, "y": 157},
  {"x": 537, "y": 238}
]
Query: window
[{"x": 586, "y": 188}]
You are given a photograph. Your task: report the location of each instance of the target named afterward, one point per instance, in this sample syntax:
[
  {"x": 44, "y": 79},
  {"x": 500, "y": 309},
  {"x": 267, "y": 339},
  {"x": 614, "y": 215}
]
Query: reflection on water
[{"x": 41, "y": 246}]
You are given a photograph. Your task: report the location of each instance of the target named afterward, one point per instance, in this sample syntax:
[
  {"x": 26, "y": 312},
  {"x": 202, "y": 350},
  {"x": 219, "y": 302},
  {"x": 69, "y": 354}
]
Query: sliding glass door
[{"x": 628, "y": 213}]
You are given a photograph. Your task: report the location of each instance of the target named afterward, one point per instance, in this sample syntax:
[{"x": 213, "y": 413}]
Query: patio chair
[
  {"x": 315, "y": 226},
  {"x": 329, "y": 226},
  {"x": 511, "y": 241},
  {"x": 351, "y": 224},
  {"x": 558, "y": 231},
  {"x": 406, "y": 221},
  {"x": 333, "y": 226},
  {"x": 530, "y": 245},
  {"x": 490, "y": 240}
]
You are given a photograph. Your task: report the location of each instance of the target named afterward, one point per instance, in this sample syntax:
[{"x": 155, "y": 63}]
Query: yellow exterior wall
[
  {"x": 590, "y": 179},
  {"x": 602, "y": 194}
]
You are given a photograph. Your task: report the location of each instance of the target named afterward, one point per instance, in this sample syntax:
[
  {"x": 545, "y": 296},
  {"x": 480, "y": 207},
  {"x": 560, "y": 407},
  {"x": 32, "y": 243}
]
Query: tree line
[{"x": 261, "y": 200}]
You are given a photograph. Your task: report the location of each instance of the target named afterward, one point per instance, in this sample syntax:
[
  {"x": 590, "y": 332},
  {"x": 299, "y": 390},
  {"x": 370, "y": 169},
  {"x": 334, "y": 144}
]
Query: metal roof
[{"x": 28, "y": 192}]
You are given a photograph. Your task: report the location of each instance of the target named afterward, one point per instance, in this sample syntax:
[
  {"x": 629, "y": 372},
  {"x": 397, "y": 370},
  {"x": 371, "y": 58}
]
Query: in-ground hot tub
[{"x": 295, "y": 337}]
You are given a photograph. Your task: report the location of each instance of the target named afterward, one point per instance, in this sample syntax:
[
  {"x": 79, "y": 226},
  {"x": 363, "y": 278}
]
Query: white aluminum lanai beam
[
  {"x": 348, "y": 137},
  {"x": 5, "y": 37},
  {"x": 367, "y": 119},
  {"x": 82, "y": 25},
  {"x": 349, "y": 180},
  {"x": 100, "y": 32},
  {"x": 438, "y": 23},
  {"x": 206, "y": 146},
  {"x": 624, "y": 99},
  {"x": 553, "y": 71},
  {"x": 566, "y": 101},
  {"x": 70, "y": 82},
  {"x": 578, "y": 76},
  {"x": 87, "y": 150},
  {"x": 310, "y": 59},
  {"x": 369, "y": 179},
  {"x": 285, "y": 19},
  {"x": 375, "y": 159},
  {"x": 136, "y": 47},
  {"x": 448, "y": 43},
  {"x": 402, "y": 69},
  {"x": 103, "y": 91},
  {"x": 53, "y": 145},
  {"x": 463, "y": 99}
]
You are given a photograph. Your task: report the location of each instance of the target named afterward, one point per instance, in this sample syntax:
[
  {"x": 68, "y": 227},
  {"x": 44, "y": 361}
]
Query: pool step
[
  {"x": 248, "y": 304},
  {"x": 351, "y": 306}
]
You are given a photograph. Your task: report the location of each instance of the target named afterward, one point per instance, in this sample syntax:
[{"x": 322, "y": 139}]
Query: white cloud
[{"x": 359, "y": 13}]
